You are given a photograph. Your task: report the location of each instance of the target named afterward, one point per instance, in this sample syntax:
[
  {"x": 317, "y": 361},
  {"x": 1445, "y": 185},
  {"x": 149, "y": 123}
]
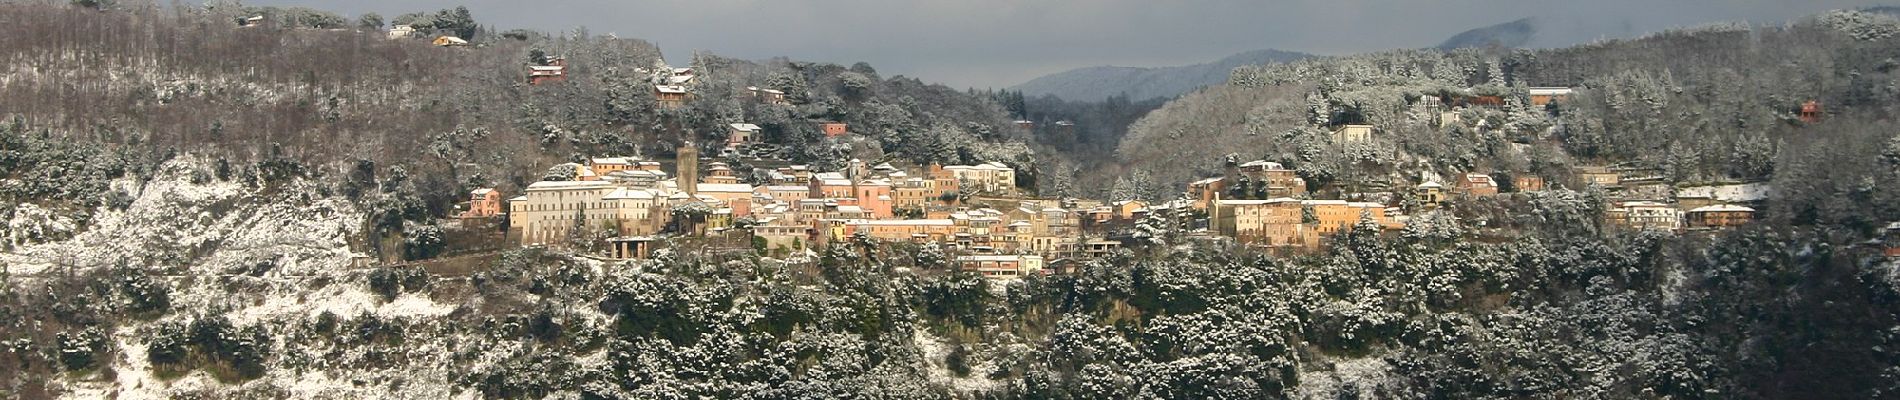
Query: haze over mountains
[
  {"x": 1097, "y": 83},
  {"x": 1139, "y": 83}
]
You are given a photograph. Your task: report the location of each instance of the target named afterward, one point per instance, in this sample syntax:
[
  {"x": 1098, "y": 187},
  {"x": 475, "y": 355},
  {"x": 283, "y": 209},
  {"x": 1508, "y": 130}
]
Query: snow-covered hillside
[{"x": 184, "y": 221}]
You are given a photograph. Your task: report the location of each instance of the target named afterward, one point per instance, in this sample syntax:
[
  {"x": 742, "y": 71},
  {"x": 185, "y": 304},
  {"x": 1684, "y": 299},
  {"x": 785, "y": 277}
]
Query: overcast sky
[{"x": 998, "y": 43}]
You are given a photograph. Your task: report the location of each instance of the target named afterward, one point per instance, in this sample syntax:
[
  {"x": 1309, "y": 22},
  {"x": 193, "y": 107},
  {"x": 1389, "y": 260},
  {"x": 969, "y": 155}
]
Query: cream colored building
[
  {"x": 548, "y": 210},
  {"x": 1353, "y": 133},
  {"x": 1001, "y": 266},
  {"x": 990, "y": 176}
]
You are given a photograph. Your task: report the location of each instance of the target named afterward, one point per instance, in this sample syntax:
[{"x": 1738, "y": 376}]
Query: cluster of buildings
[
  {"x": 1647, "y": 205},
  {"x": 792, "y": 209},
  {"x": 1265, "y": 204},
  {"x": 1256, "y": 203}
]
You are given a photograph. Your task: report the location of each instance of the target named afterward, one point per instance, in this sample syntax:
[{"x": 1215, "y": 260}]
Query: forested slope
[{"x": 156, "y": 250}]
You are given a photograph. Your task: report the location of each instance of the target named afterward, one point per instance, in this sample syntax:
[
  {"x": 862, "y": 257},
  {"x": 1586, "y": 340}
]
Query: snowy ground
[
  {"x": 210, "y": 228},
  {"x": 935, "y": 348},
  {"x": 1363, "y": 374}
]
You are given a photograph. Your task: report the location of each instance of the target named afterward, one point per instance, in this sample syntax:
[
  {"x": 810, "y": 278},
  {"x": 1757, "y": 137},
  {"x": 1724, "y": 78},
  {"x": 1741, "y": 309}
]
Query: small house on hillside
[
  {"x": 555, "y": 71},
  {"x": 483, "y": 203},
  {"x": 742, "y": 134},
  {"x": 1352, "y": 133},
  {"x": 1546, "y": 95},
  {"x": 1528, "y": 183},
  {"x": 449, "y": 41},
  {"x": 1644, "y": 215},
  {"x": 670, "y": 97},
  {"x": 401, "y": 32},
  {"x": 1811, "y": 112},
  {"x": 768, "y": 96},
  {"x": 1477, "y": 185},
  {"x": 1429, "y": 193},
  {"x": 1598, "y": 176},
  {"x": 1720, "y": 216},
  {"x": 834, "y": 129},
  {"x": 251, "y": 21}
]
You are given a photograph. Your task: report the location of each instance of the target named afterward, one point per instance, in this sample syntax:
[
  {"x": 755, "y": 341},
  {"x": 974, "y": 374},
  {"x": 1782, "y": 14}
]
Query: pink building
[{"x": 875, "y": 197}]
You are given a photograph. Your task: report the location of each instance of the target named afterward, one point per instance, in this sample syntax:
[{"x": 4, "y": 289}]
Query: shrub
[{"x": 80, "y": 351}]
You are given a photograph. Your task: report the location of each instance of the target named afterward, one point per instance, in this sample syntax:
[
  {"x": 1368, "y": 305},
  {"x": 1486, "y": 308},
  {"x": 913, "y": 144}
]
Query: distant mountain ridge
[
  {"x": 1510, "y": 34},
  {"x": 1101, "y": 82}
]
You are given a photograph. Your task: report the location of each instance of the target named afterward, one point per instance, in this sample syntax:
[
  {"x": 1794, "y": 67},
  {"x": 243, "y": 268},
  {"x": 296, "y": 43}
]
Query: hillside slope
[
  {"x": 1510, "y": 34},
  {"x": 1097, "y": 83}
]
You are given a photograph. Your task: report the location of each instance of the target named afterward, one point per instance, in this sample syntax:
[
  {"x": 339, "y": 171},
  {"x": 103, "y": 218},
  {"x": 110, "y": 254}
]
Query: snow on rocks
[{"x": 180, "y": 219}]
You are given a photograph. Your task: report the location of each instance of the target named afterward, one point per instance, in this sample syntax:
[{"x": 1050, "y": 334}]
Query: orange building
[
  {"x": 1528, "y": 183},
  {"x": 483, "y": 203},
  {"x": 1811, "y": 112},
  {"x": 831, "y": 185},
  {"x": 1477, "y": 185},
  {"x": 738, "y": 196},
  {"x": 834, "y": 129},
  {"x": 1720, "y": 216},
  {"x": 899, "y": 230},
  {"x": 875, "y": 197},
  {"x": 1276, "y": 222},
  {"x": 1546, "y": 95},
  {"x": 608, "y": 165},
  {"x": 1332, "y": 215},
  {"x": 1203, "y": 192}
]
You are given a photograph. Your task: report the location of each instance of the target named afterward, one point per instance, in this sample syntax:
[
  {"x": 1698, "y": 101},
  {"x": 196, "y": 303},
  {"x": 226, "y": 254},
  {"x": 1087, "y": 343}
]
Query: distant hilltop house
[
  {"x": 1528, "y": 183},
  {"x": 670, "y": 97},
  {"x": 251, "y": 21},
  {"x": 555, "y": 71},
  {"x": 1741, "y": 193},
  {"x": 1591, "y": 175},
  {"x": 1065, "y": 126},
  {"x": 742, "y": 134},
  {"x": 1720, "y": 216},
  {"x": 1025, "y": 124},
  {"x": 449, "y": 41},
  {"x": 1352, "y": 133},
  {"x": 1429, "y": 193},
  {"x": 682, "y": 76},
  {"x": 483, "y": 203},
  {"x": 1644, "y": 215},
  {"x": 1254, "y": 180},
  {"x": 834, "y": 129},
  {"x": 1545, "y": 95},
  {"x": 1001, "y": 266},
  {"x": 401, "y": 32},
  {"x": 1289, "y": 222},
  {"x": 1811, "y": 112},
  {"x": 1477, "y": 185},
  {"x": 1468, "y": 98},
  {"x": 768, "y": 96}
]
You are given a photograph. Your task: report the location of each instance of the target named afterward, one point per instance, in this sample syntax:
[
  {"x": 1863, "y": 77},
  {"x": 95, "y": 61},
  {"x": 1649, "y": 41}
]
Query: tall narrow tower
[{"x": 689, "y": 169}]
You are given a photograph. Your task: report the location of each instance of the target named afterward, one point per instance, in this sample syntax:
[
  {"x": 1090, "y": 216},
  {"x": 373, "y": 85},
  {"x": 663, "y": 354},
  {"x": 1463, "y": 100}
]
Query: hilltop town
[
  {"x": 624, "y": 207},
  {"x": 230, "y": 201}
]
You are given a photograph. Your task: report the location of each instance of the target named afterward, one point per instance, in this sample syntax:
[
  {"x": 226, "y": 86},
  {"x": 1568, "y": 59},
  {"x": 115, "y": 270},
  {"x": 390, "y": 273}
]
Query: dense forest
[{"x": 186, "y": 201}]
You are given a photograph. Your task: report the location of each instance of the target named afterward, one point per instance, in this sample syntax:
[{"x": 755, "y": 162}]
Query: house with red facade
[
  {"x": 555, "y": 71},
  {"x": 834, "y": 129}
]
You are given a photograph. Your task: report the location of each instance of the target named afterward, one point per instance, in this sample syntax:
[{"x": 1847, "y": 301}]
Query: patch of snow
[
  {"x": 1363, "y": 374},
  {"x": 212, "y": 227},
  {"x": 935, "y": 349}
]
